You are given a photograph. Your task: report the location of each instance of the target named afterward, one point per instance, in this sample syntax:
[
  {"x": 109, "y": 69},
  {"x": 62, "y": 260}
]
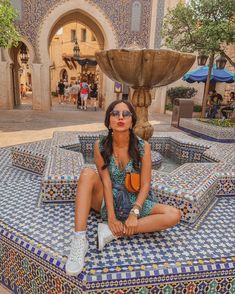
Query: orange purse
[{"x": 132, "y": 182}]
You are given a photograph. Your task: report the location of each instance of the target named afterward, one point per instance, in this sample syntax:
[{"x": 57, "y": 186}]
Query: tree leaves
[
  {"x": 201, "y": 25},
  {"x": 8, "y": 33}
]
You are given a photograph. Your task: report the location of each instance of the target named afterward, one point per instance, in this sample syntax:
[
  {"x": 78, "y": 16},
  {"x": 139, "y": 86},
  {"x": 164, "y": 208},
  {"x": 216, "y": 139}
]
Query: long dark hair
[{"x": 107, "y": 142}]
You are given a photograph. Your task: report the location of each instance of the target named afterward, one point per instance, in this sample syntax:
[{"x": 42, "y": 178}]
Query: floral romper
[{"x": 118, "y": 176}]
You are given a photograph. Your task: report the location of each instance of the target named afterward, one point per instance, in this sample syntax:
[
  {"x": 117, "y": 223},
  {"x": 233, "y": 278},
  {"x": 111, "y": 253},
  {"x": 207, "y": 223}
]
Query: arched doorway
[
  {"x": 72, "y": 52},
  {"x": 17, "y": 69},
  {"x": 67, "y": 12},
  {"x": 21, "y": 76},
  {"x": 64, "y": 75}
]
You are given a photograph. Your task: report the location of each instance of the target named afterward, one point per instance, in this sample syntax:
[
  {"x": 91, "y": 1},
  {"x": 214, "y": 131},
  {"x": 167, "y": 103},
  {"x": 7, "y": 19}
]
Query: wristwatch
[{"x": 135, "y": 211}]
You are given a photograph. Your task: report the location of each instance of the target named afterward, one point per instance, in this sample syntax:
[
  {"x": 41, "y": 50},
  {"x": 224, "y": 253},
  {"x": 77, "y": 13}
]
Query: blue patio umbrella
[{"x": 217, "y": 75}]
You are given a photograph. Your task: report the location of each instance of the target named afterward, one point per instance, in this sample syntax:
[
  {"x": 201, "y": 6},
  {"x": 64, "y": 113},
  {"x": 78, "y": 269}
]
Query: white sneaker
[
  {"x": 105, "y": 235},
  {"x": 81, "y": 107},
  {"x": 76, "y": 258}
]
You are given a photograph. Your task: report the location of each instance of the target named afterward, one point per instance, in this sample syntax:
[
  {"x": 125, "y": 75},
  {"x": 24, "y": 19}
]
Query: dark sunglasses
[{"x": 117, "y": 113}]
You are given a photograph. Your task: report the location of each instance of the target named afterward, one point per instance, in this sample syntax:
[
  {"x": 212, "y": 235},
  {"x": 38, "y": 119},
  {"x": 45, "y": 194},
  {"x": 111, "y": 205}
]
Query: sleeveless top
[{"x": 118, "y": 177}]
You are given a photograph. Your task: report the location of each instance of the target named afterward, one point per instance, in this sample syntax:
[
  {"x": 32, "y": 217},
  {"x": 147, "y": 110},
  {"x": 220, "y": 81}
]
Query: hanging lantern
[
  {"x": 24, "y": 57},
  {"x": 202, "y": 59},
  {"x": 221, "y": 62},
  {"x": 76, "y": 49}
]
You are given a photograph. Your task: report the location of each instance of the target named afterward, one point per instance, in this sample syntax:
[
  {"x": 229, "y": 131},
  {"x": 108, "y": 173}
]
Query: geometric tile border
[{"x": 27, "y": 271}]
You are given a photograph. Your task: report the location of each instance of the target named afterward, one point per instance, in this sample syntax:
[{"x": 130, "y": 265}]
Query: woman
[{"x": 120, "y": 152}]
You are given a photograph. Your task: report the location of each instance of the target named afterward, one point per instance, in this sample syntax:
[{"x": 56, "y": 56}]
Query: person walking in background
[
  {"x": 74, "y": 92},
  {"x": 61, "y": 88},
  {"x": 93, "y": 95},
  {"x": 84, "y": 91},
  {"x": 67, "y": 94},
  {"x": 230, "y": 106},
  {"x": 22, "y": 91}
]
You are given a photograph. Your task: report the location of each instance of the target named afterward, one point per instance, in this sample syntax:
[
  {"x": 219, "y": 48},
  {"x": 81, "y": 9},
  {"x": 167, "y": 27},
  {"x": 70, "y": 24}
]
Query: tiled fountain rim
[
  {"x": 211, "y": 150},
  {"x": 52, "y": 258},
  {"x": 189, "y": 181}
]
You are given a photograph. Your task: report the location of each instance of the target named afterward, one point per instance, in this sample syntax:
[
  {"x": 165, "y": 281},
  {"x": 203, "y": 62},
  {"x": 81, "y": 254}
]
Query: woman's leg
[
  {"x": 89, "y": 195},
  {"x": 85, "y": 102},
  {"x": 162, "y": 217}
]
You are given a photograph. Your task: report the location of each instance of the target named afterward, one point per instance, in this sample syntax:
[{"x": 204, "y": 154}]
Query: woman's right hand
[{"x": 116, "y": 226}]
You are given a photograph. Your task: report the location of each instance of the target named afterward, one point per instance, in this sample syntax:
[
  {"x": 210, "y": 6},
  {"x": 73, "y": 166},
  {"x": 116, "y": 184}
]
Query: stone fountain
[{"x": 143, "y": 69}]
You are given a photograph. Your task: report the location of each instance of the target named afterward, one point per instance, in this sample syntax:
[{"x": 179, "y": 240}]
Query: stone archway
[
  {"x": 8, "y": 81},
  {"x": 89, "y": 14}
]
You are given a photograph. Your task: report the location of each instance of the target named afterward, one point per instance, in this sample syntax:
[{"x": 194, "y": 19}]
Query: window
[
  {"x": 93, "y": 38},
  {"x": 73, "y": 35},
  {"x": 136, "y": 16},
  {"x": 83, "y": 35}
]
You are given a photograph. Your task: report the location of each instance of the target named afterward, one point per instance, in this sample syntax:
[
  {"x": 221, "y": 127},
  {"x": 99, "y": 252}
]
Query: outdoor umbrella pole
[{"x": 204, "y": 101}]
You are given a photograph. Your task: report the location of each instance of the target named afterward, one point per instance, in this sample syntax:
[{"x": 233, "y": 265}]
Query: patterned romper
[{"x": 118, "y": 176}]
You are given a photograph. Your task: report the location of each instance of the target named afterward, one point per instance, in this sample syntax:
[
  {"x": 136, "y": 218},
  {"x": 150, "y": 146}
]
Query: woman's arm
[{"x": 146, "y": 170}]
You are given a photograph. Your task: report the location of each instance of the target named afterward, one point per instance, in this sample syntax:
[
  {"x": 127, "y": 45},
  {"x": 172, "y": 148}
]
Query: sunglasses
[{"x": 124, "y": 113}]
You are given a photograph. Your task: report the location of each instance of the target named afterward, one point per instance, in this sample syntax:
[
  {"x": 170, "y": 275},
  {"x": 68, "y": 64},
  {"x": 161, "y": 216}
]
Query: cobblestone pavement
[{"x": 21, "y": 126}]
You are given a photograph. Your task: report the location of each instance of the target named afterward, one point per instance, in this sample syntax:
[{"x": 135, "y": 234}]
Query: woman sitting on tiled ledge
[{"x": 126, "y": 213}]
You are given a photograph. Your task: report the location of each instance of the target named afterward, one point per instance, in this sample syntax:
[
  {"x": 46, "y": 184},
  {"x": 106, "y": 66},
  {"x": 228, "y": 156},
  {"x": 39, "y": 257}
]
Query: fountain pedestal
[{"x": 141, "y": 100}]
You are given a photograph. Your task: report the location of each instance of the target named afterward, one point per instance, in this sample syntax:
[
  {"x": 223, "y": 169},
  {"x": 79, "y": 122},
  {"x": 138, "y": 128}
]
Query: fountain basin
[{"x": 144, "y": 67}]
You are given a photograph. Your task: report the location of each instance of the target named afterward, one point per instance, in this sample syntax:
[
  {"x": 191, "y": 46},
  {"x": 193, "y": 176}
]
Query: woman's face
[{"x": 120, "y": 118}]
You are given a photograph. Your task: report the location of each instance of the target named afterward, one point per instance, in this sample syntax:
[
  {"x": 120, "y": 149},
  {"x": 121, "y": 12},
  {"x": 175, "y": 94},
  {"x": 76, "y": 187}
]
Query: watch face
[{"x": 136, "y": 211}]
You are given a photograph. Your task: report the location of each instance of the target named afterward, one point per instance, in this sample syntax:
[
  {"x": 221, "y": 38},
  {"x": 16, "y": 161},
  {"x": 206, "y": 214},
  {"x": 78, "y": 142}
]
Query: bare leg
[
  {"x": 89, "y": 195},
  {"x": 161, "y": 217}
]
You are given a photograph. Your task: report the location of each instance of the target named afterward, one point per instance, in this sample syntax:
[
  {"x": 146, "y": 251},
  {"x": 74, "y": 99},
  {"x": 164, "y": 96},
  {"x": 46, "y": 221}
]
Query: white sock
[{"x": 80, "y": 233}]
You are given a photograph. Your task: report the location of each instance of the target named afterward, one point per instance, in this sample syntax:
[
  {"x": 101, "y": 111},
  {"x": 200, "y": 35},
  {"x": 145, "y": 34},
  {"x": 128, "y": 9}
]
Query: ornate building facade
[{"x": 115, "y": 24}]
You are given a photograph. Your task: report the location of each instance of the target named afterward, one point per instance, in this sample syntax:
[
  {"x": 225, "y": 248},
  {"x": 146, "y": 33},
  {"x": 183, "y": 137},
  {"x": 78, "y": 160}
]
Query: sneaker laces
[{"x": 76, "y": 253}]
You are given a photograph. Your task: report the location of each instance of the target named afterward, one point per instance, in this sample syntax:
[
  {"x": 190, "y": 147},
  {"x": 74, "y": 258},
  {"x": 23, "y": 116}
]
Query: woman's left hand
[{"x": 130, "y": 225}]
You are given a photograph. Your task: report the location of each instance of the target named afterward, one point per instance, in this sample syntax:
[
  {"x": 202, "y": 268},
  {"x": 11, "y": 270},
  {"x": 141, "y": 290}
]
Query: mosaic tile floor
[{"x": 205, "y": 246}]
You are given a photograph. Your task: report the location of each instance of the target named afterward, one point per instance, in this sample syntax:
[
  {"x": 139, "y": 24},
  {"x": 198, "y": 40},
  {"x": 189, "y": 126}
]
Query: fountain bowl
[{"x": 144, "y": 67}]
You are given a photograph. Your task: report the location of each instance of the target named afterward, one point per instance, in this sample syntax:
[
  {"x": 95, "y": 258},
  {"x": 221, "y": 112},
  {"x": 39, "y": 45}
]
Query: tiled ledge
[
  {"x": 207, "y": 130},
  {"x": 190, "y": 187}
]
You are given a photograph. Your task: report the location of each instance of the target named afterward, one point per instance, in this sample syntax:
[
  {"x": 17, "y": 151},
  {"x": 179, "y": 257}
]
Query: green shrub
[
  {"x": 180, "y": 92},
  {"x": 169, "y": 107},
  {"x": 197, "y": 108}
]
